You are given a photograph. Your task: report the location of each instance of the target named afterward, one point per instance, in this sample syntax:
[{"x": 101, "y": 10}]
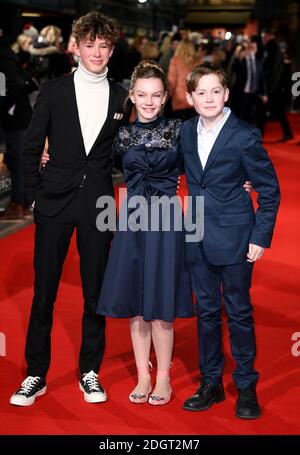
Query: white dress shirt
[{"x": 207, "y": 137}]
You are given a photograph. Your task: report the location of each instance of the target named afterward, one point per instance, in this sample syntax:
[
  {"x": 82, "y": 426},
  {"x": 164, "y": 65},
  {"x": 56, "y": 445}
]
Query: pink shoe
[
  {"x": 140, "y": 398},
  {"x": 157, "y": 400}
]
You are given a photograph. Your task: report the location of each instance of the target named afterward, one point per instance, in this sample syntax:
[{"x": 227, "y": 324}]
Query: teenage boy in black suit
[{"x": 79, "y": 114}]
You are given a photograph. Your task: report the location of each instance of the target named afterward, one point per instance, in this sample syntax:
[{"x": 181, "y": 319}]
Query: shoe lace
[
  {"x": 203, "y": 389},
  {"x": 248, "y": 393},
  {"x": 28, "y": 384},
  {"x": 91, "y": 379}
]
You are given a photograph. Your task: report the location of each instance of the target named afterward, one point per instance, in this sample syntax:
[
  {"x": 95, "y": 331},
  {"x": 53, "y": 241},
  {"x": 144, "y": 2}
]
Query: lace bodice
[
  {"x": 161, "y": 133},
  {"x": 150, "y": 157}
]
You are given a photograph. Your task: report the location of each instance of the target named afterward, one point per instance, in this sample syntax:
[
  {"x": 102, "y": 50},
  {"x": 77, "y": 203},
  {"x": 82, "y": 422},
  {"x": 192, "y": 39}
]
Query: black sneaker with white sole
[
  {"x": 92, "y": 390},
  {"x": 31, "y": 387}
]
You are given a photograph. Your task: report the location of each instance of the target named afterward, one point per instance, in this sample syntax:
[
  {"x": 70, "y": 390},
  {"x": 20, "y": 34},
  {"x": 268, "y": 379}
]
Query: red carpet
[{"x": 62, "y": 410}]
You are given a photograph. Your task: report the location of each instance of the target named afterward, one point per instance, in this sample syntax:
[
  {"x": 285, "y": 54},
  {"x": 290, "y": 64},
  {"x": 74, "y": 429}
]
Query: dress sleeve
[
  {"x": 177, "y": 130},
  {"x": 116, "y": 151}
]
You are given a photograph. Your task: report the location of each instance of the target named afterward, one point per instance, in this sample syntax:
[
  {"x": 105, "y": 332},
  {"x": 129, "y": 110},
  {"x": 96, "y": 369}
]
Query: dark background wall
[
  {"x": 153, "y": 16},
  {"x": 157, "y": 15}
]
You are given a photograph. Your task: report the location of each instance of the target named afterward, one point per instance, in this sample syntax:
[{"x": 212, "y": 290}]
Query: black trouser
[
  {"x": 277, "y": 108},
  {"x": 52, "y": 239}
]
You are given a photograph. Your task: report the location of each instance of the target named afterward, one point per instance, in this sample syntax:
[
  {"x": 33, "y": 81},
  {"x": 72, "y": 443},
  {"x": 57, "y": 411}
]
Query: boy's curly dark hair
[{"x": 95, "y": 24}]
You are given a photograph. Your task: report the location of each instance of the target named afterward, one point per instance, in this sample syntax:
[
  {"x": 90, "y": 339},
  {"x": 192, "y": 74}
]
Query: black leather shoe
[
  {"x": 205, "y": 396},
  {"x": 247, "y": 406}
]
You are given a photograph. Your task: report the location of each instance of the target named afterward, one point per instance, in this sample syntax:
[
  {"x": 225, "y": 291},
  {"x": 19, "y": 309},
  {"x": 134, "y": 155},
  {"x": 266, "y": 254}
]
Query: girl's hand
[
  {"x": 178, "y": 184},
  {"x": 44, "y": 158},
  {"x": 248, "y": 186}
]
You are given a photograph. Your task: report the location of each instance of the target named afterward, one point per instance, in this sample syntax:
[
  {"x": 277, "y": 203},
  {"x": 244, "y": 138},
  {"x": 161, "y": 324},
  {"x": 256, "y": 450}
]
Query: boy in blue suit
[{"x": 221, "y": 152}]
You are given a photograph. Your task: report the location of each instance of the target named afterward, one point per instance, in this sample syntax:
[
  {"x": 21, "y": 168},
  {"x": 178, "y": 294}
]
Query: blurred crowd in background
[{"x": 260, "y": 67}]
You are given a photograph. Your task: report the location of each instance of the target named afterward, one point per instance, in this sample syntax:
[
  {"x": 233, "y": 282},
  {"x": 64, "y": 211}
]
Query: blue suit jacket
[{"x": 230, "y": 222}]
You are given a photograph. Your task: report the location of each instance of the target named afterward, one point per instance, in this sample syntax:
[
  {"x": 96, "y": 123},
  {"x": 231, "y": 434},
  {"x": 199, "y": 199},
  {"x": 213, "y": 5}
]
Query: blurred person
[
  {"x": 229, "y": 47},
  {"x": 249, "y": 90},
  {"x": 150, "y": 51},
  {"x": 47, "y": 59},
  {"x": 30, "y": 31},
  {"x": 218, "y": 57},
  {"x": 117, "y": 66},
  {"x": 163, "y": 34},
  {"x": 164, "y": 45},
  {"x": 135, "y": 53},
  {"x": 71, "y": 52},
  {"x": 15, "y": 115},
  {"x": 21, "y": 48},
  {"x": 278, "y": 79},
  {"x": 184, "y": 32},
  {"x": 185, "y": 59},
  {"x": 79, "y": 114},
  {"x": 232, "y": 57},
  {"x": 164, "y": 61},
  {"x": 168, "y": 53},
  {"x": 205, "y": 52},
  {"x": 50, "y": 35}
]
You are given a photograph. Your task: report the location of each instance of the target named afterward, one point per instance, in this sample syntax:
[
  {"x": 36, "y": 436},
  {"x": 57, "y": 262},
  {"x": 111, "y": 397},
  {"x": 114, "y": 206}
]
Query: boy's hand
[
  {"x": 248, "y": 186},
  {"x": 255, "y": 252}
]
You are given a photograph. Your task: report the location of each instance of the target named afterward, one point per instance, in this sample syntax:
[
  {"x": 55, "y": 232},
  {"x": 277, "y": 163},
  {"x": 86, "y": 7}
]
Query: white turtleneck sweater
[{"x": 92, "y": 96}]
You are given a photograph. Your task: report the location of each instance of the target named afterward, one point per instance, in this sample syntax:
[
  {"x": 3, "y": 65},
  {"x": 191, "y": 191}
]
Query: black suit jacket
[
  {"x": 240, "y": 70},
  {"x": 56, "y": 117},
  {"x": 274, "y": 68}
]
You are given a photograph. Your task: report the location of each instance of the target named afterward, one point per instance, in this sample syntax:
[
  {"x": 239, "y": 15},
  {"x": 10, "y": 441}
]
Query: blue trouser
[{"x": 232, "y": 283}]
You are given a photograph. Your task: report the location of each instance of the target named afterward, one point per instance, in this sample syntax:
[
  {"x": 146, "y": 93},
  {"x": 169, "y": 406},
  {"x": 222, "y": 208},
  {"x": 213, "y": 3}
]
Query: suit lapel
[
  {"x": 194, "y": 144},
  {"x": 70, "y": 93},
  {"x": 112, "y": 103},
  {"x": 221, "y": 140}
]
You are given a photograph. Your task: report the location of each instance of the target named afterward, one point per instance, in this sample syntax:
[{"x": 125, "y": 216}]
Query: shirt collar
[{"x": 200, "y": 126}]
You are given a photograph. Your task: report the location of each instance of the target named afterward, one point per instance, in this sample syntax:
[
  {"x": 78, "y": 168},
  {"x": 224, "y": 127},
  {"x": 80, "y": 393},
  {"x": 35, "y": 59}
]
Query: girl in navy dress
[{"x": 146, "y": 279}]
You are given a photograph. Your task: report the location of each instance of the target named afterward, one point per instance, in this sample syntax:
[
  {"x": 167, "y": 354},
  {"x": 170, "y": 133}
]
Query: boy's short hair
[
  {"x": 95, "y": 24},
  {"x": 204, "y": 70}
]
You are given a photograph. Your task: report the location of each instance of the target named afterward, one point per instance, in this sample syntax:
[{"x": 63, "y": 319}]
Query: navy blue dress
[{"x": 146, "y": 274}]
